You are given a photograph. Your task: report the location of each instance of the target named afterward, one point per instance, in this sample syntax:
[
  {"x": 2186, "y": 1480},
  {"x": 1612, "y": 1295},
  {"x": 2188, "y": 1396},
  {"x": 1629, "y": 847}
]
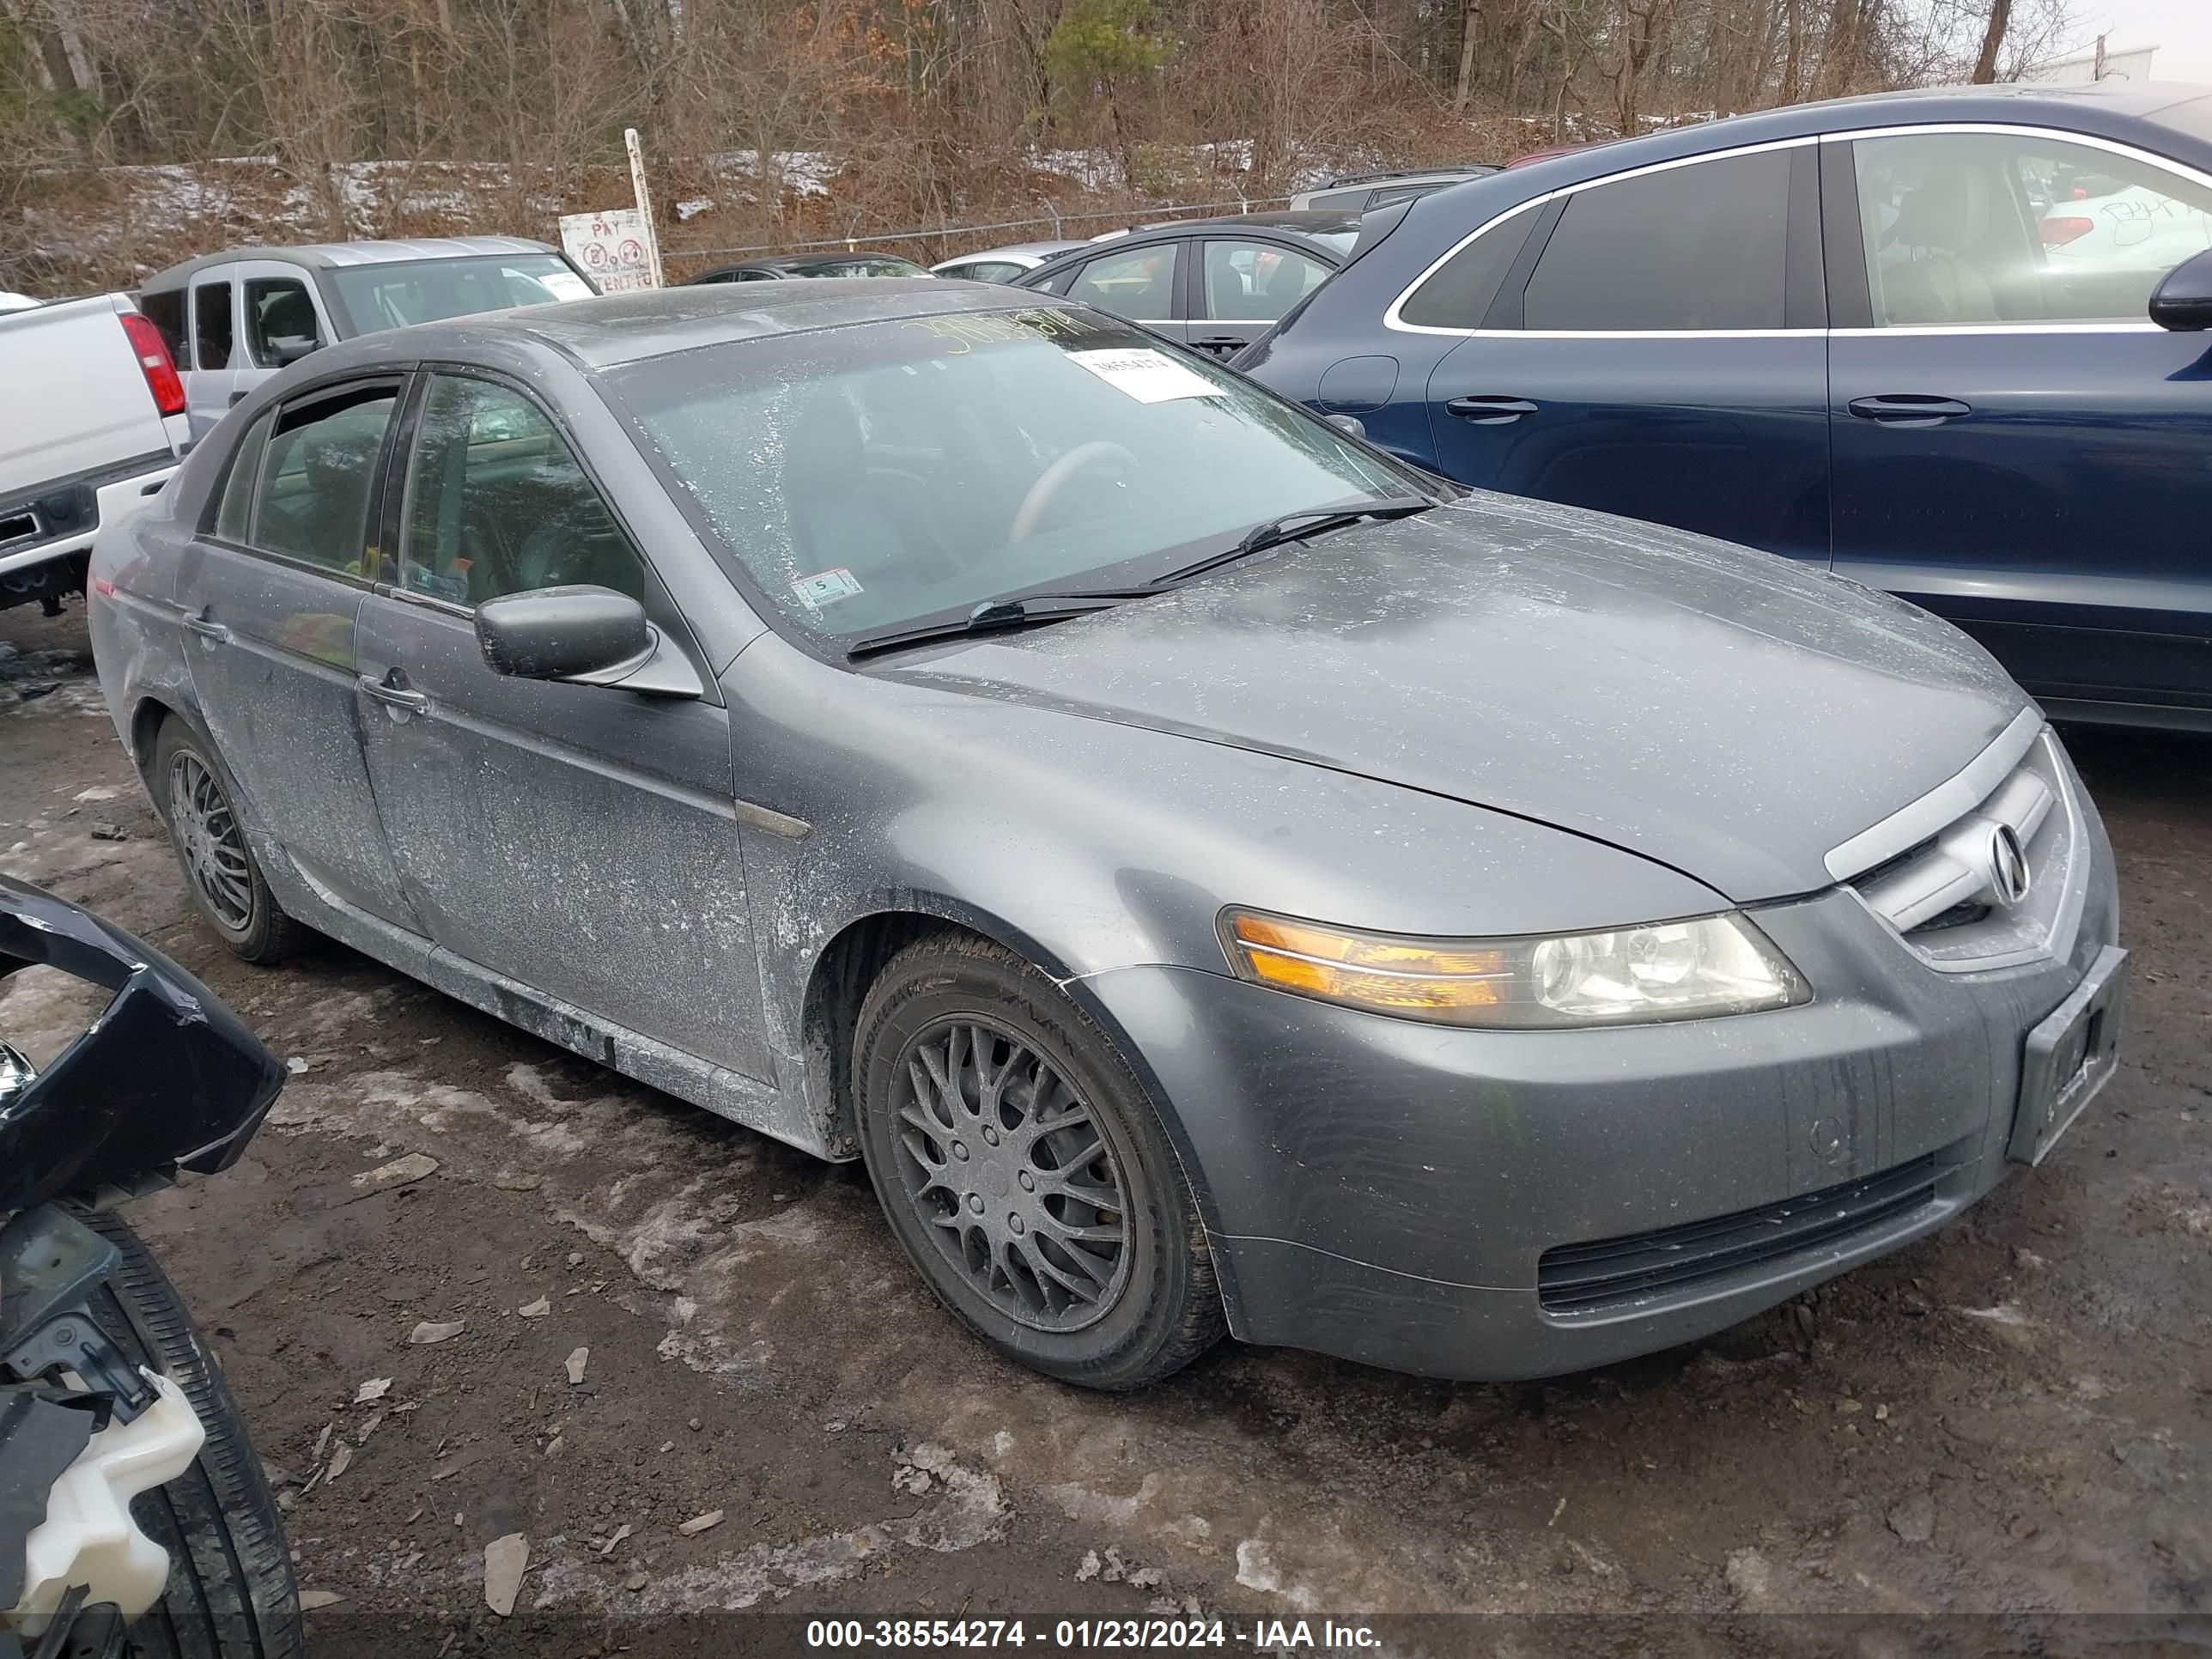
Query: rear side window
[
  {"x": 313, "y": 502},
  {"x": 1701, "y": 246},
  {"x": 233, "y": 519},
  {"x": 1460, "y": 293},
  {"x": 1139, "y": 285},
  {"x": 166, "y": 313},
  {"x": 1257, "y": 282},
  {"x": 211, "y": 326}
]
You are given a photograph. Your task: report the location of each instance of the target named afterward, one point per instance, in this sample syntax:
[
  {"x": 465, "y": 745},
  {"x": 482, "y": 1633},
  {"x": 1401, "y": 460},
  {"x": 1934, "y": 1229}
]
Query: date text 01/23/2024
[{"x": 1090, "y": 1635}]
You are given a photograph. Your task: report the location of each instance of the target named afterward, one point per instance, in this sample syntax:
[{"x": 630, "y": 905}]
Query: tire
[
  {"x": 1089, "y": 1268},
  {"x": 193, "y": 792},
  {"x": 230, "y": 1594}
]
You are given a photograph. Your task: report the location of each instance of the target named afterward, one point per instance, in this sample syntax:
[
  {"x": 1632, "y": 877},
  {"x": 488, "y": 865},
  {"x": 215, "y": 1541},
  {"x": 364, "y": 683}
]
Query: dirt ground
[{"x": 2013, "y": 1416}]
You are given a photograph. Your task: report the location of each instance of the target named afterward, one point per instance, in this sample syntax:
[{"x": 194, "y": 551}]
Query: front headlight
[{"x": 1692, "y": 969}]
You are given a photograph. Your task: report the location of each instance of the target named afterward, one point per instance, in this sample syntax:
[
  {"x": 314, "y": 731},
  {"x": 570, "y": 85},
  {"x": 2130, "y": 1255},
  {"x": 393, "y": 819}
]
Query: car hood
[{"x": 1729, "y": 714}]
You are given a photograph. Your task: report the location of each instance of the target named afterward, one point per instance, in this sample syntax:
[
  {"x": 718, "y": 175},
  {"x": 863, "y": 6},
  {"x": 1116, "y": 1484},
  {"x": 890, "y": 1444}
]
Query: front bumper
[{"x": 1387, "y": 1191}]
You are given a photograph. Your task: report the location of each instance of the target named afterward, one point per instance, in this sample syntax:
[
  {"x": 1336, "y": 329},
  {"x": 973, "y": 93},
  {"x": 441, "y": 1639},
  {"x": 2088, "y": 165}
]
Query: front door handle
[
  {"x": 393, "y": 692},
  {"x": 1489, "y": 410},
  {"x": 203, "y": 623},
  {"x": 1223, "y": 343},
  {"x": 238, "y": 398},
  {"x": 1908, "y": 409}
]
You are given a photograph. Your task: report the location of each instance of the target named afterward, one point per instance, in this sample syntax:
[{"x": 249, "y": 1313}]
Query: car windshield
[
  {"x": 870, "y": 477},
  {"x": 396, "y": 295}
]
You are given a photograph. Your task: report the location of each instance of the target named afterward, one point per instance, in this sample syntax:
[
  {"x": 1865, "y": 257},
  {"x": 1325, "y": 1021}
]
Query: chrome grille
[{"x": 1946, "y": 895}]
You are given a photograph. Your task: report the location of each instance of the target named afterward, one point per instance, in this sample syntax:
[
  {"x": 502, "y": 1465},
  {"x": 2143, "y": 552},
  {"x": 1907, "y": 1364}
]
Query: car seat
[{"x": 1945, "y": 221}]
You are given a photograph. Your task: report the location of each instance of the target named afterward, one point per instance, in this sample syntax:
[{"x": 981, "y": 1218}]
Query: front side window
[
  {"x": 1257, "y": 282},
  {"x": 211, "y": 335},
  {"x": 496, "y": 503},
  {"x": 317, "y": 478},
  {"x": 406, "y": 292},
  {"x": 870, "y": 475},
  {"x": 1139, "y": 284},
  {"x": 1702, "y": 246},
  {"x": 1961, "y": 229},
  {"x": 280, "y": 321}
]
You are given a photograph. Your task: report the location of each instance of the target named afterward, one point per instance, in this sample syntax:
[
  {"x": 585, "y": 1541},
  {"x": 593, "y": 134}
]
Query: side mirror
[
  {"x": 2183, "y": 300},
  {"x": 289, "y": 351},
  {"x": 558, "y": 633},
  {"x": 1350, "y": 425}
]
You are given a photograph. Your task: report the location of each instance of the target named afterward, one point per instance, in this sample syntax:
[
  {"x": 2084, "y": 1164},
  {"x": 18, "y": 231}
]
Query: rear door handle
[
  {"x": 203, "y": 623},
  {"x": 1908, "y": 409},
  {"x": 393, "y": 692},
  {"x": 1488, "y": 411},
  {"x": 1223, "y": 343},
  {"x": 238, "y": 398}
]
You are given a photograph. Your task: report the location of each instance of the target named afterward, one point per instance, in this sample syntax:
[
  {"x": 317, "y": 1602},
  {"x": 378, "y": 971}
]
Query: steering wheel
[{"x": 1054, "y": 479}]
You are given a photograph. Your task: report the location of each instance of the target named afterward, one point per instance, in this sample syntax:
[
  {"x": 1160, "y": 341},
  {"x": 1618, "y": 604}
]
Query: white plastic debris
[
  {"x": 506, "y": 1559},
  {"x": 699, "y": 1523},
  {"x": 436, "y": 1330},
  {"x": 577, "y": 1361},
  {"x": 536, "y": 1310},
  {"x": 376, "y": 1388}
]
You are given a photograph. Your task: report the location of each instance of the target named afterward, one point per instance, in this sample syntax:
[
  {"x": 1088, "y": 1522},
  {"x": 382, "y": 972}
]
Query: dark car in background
[
  {"x": 1946, "y": 342},
  {"x": 232, "y": 319},
  {"x": 811, "y": 264},
  {"x": 1216, "y": 285}
]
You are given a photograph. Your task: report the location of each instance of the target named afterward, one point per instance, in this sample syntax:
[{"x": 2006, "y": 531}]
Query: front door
[
  {"x": 281, "y": 321},
  {"x": 580, "y": 840},
  {"x": 2017, "y": 446},
  {"x": 1241, "y": 287},
  {"x": 211, "y": 378},
  {"x": 1658, "y": 354},
  {"x": 271, "y": 591}
]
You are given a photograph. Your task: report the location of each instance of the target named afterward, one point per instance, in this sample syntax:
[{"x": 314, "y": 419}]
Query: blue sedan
[{"x": 1949, "y": 343}]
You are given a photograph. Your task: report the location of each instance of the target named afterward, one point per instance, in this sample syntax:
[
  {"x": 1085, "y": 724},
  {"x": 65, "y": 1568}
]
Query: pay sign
[{"x": 610, "y": 247}]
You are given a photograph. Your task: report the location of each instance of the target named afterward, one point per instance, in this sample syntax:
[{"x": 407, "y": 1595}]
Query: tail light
[
  {"x": 154, "y": 362},
  {"x": 2056, "y": 232}
]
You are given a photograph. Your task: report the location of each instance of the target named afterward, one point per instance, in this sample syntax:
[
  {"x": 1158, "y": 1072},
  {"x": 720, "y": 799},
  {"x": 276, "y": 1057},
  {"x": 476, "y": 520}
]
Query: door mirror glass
[
  {"x": 2183, "y": 299},
  {"x": 559, "y": 633}
]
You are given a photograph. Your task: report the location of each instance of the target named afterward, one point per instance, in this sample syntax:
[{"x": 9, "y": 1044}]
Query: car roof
[
  {"x": 332, "y": 255},
  {"x": 615, "y": 329},
  {"x": 1312, "y": 221},
  {"x": 1404, "y": 176},
  {"x": 2110, "y": 105},
  {"x": 1027, "y": 249}
]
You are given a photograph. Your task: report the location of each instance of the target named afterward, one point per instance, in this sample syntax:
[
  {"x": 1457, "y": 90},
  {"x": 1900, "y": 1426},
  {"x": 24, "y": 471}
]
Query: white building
[{"x": 2080, "y": 68}]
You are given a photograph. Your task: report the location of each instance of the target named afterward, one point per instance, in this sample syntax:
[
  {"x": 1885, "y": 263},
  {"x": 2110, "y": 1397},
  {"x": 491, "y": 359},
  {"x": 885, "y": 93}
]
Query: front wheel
[{"x": 1024, "y": 1171}]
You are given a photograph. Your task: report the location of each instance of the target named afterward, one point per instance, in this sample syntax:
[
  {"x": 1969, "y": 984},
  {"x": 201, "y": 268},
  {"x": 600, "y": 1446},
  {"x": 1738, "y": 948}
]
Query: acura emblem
[{"x": 2008, "y": 871}]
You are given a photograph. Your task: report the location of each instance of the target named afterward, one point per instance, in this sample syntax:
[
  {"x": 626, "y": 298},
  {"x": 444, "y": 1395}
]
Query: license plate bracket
[{"x": 2070, "y": 1055}]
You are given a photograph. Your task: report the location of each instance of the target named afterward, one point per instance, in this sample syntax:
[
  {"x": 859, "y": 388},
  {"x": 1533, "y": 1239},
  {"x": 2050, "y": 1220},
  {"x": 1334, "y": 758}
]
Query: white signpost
[{"x": 617, "y": 249}]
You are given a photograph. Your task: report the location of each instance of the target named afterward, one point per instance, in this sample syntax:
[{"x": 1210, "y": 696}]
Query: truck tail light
[
  {"x": 154, "y": 362},
  {"x": 2056, "y": 232}
]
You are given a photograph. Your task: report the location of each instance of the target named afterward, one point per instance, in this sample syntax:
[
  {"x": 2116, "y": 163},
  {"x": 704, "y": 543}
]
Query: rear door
[
  {"x": 1655, "y": 349},
  {"x": 271, "y": 587},
  {"x": 2017, "y": 446},
  {"x": 211, "y": 380},
  {"x": 581, "y": 841},
  {"x": 1242, "y": 286}
]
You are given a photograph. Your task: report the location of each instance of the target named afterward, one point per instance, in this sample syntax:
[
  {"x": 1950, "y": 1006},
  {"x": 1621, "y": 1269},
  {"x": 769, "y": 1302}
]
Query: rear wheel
[
  {"x": 194, "y": 796},
  {"x": 1024, "y": 1171},
  {"x": 230, "y": 1593}
]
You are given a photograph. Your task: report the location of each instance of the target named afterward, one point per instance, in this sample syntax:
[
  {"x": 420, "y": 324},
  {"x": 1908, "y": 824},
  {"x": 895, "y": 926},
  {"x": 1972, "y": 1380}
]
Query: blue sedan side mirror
[{"x": 2183, "y": 300}]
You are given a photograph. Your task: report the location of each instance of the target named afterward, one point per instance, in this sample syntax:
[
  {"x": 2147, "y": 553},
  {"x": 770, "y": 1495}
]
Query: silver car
[
  {"x": 1215, "y": 875},
  {"x": 1002, "y": 264}
]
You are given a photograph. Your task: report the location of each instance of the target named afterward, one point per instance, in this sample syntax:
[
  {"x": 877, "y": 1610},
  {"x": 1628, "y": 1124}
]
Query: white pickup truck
[{"x": 90, "y": 428}]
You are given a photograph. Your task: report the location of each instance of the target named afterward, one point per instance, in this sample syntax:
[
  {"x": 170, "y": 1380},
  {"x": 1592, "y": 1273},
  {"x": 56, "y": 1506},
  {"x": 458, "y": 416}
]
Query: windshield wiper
[
  {"x": 1029, "y": 611},
  {"x": 1297, "y": 526}
]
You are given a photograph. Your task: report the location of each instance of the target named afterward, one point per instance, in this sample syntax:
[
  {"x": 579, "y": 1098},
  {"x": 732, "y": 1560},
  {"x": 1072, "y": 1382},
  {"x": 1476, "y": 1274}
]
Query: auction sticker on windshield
[
  {"x": 826, "y": 587},
  {"x": 1150, "y": 377}
]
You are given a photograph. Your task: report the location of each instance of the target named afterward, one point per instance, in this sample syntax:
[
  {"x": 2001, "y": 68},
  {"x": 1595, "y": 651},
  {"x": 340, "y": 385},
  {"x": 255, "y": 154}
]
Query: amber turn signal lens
[{"x": 1401, "y": 975}]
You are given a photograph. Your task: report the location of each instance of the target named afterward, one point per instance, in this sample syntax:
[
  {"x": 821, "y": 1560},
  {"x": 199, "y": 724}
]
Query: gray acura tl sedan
[{"x": 1215, "y": 875}]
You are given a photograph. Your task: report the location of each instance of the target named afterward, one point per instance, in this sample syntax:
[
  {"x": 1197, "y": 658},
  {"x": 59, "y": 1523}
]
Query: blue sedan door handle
[
  {"x": 1908, "y": 409},
  {"x": 1489, "y": 410}
]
